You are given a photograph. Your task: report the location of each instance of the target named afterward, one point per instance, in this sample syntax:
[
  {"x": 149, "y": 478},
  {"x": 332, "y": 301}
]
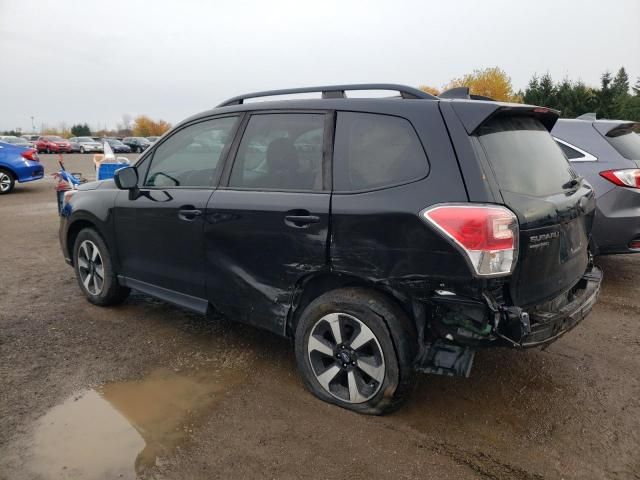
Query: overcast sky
[{"x": 93, "y": 61}]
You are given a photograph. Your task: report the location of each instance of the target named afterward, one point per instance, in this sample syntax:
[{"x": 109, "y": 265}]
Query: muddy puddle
[{"x": 121, "y": 429}]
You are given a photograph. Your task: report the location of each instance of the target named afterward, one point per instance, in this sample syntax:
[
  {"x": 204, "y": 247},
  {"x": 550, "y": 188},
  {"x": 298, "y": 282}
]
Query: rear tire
[
  {"x": 7, "y": 181},
  {"x": 369, "y": 369},
  {"x": 94, "y": 270}
]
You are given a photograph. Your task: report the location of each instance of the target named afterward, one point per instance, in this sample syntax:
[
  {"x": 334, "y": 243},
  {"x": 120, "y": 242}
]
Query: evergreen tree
[
  {"x": 606, "y": 97},
  {"x": 636, "y": 88},
  {"x": 541, "y": 91},
  {"x": 81, "y": 130},
  {"x": 620, "y": 85}
]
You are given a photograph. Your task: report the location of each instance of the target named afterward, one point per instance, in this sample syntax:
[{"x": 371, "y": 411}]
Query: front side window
[
  {"x": 281, "y": 151},
  {"x": 190, "y": 157},
  {"x": 373, "y": 151}
]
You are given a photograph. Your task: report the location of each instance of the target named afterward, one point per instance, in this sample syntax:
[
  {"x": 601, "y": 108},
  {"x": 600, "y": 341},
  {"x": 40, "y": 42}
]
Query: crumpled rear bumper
[
  {"x": 547, "y": 327},
  {"x": 511, "y": 326}
]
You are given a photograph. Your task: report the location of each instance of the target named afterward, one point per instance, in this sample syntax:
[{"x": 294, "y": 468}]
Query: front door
[
  {"x": 159, "y": 229},
  {"x": 268, "y": 227}
]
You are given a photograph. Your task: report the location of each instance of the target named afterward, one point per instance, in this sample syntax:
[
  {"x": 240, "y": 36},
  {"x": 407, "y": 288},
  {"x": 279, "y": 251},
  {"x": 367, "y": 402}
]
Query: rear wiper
[{"x": 573, "y": 182}]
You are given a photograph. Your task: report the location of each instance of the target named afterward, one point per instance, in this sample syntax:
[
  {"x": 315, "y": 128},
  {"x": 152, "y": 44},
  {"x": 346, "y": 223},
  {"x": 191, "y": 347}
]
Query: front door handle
[
  {"x": 189, "y": 214},
  {"x": 301, "y": 221}
]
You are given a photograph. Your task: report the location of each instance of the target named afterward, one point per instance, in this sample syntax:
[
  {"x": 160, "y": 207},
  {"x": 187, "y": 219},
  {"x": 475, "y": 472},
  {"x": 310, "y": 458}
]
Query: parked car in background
[
  {"x": 18, "y": 164},
  {"x": 152, "y": 139},
  {"x": 607, "y": 154},
  {"x": 117, "y": 146},
  {"x": 137, "y": 144},
  {"x": 19, "y": 141},
  {"x": 53, "y": 144},
  {"x": 384, "y": 236},
  {"x": 85, "y": 145},
  {"x": 31, "y": 138}
]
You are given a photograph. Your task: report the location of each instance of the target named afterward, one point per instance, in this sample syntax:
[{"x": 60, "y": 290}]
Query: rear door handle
[
  {"x": 189, "y": 214},
  {"x": 301, "y": 221}
]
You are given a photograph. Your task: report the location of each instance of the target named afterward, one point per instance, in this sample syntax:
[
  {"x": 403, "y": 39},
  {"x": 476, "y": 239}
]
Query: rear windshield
[
  {"x": 626, "y": 141},
  {"x": 524, "y": 156}
]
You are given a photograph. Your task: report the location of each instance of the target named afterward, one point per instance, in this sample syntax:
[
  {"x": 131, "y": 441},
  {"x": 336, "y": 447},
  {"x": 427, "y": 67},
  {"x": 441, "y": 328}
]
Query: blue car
[{"x": 18, "y": 164}]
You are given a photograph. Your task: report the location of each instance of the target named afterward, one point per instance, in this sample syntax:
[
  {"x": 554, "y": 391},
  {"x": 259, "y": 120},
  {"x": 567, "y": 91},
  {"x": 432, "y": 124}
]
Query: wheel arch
[
  {"x": 7, "y": 168},
  {"x": 76, "y": 226},
  {"x": 311, "y": 287}
]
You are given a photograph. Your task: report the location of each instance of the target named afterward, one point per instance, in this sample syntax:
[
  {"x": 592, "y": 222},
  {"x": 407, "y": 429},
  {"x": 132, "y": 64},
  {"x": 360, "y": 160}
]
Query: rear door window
[
  {"x": 524, "y": 156},
  {"x": 374, "y": 151},
  {"x": 281, "y": 151}
]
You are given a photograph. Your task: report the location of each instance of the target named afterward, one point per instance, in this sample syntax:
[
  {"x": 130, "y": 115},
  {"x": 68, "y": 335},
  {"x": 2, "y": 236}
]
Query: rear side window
[
  {"x": 626, "y": 141},
  {"x": 524, "y": 156},
  {"x": 571, "y": 153},
  {"x": 281, "y": 151},
  {"x": 373, "y": 151}
]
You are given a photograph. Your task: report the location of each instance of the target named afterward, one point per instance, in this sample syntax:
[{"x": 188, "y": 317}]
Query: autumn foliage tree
[
  {"x": 144, "y": 126},
  {"x": 429, "y": 89},
  {"x": 489, "y": 82}
]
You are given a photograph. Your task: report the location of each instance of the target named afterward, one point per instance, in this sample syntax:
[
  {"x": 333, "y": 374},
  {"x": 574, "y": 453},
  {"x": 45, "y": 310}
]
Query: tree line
[
  {"x": 141, "y": 126},
  {"x": 614, "y": 98}
]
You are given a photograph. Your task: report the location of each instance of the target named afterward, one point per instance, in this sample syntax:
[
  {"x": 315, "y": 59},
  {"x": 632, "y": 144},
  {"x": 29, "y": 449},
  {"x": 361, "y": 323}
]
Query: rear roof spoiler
[
  {"x": 612, "y": 128},
  {"x": 591, "y": 117},
  {"x": 463, "y": 93},
  {"x": 474, "y": 114}
]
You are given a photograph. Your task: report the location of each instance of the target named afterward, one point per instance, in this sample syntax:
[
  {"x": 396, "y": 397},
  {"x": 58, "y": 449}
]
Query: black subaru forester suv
[{"x": 385, "y": 236}]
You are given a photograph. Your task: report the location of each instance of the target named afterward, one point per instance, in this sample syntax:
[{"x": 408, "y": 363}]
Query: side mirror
[{"x": 126, "y": 178}]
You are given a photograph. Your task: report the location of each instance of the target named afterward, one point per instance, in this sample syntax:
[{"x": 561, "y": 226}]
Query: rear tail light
[
  {"x": 635, "y": 244},
  {"x": 30, "y": 154},
  {"x": 629, "y": 177},
  {"x": 486, "y": 234}
]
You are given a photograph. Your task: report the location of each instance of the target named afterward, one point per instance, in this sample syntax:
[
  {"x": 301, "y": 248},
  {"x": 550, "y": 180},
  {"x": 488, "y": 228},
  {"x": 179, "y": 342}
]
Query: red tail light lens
[
  {"x": 31, "y": 154},
  {"x": 486, "y": 234},
  {"x": 629, "y": 177}
]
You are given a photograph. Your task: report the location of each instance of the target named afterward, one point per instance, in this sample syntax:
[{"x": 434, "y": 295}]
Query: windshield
[
  {"x": 113, "y": 142},
  {"x": 55, "y": 139},
  {"x": 85, "y": 139},
  {"x": 524, "y": 157},
  {"x": 626, "y": 141}
]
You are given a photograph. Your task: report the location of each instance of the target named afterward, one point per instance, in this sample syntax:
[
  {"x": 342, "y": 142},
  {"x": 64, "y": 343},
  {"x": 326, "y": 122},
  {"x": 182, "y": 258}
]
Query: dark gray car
[{"x": 607, "y": 154}]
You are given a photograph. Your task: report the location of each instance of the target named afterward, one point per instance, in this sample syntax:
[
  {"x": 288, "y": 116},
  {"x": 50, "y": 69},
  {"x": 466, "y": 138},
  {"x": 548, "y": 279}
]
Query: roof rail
[
  {"x": 334, "y": 91},
  {"x": 591, "y": 117},
  {"x": 463, "y": 93}
]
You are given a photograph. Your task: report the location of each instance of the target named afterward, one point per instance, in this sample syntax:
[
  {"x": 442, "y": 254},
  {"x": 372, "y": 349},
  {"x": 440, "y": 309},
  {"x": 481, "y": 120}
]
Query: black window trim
[
  {"x": 391, "y": 185},
  {"x": 150, "y": 152},
  {"x": 327, "y": 150}
]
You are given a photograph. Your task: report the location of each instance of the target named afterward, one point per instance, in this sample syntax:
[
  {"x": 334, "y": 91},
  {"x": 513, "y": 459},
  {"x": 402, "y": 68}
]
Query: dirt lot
[{"x": 148, "y": 390}]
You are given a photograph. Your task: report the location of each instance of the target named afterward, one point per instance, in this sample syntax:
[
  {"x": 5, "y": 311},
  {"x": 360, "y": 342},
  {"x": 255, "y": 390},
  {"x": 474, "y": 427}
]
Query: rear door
[
  {"x": 267, "y": 227},
  {"x": 554, "y": 206}
]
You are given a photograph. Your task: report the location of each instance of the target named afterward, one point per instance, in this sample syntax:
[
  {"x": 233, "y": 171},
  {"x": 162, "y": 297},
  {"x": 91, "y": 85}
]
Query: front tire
[
  {"x": 355, "y": 349},
  {"x": 94, "y": 270},
  {"x": 82, "y": 150},
  {"x": 7, "y": 181}
]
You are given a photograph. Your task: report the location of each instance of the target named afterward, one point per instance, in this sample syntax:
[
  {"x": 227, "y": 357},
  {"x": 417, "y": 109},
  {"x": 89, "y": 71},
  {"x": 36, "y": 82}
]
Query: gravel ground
[{"x": 151, "y": 391}]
